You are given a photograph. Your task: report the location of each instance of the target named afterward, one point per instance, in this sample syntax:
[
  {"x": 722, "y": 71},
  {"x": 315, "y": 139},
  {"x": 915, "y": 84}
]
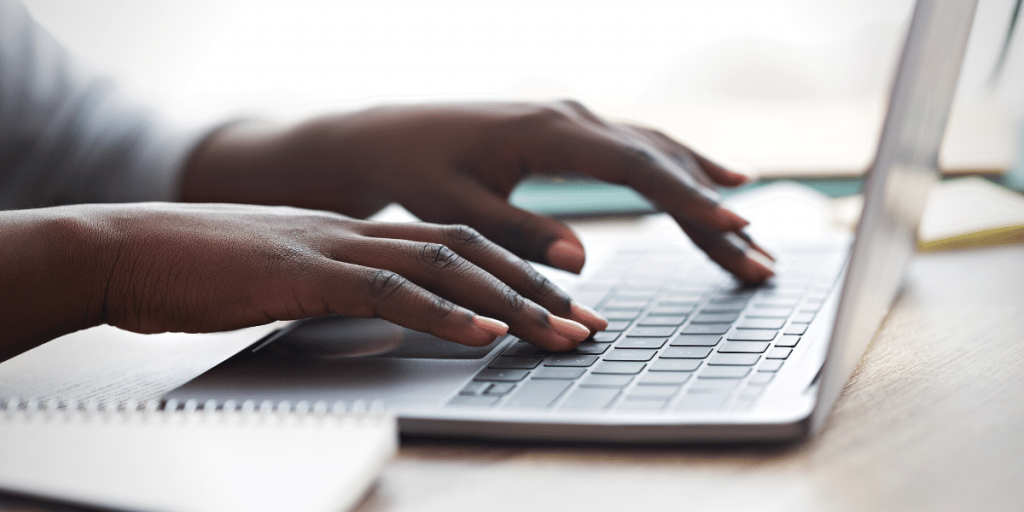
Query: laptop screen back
[{"x": 897, "y": 185}]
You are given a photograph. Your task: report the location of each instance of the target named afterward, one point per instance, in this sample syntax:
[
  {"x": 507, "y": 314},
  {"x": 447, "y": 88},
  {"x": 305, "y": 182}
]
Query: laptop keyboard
[{"x": 682, "y": 335}]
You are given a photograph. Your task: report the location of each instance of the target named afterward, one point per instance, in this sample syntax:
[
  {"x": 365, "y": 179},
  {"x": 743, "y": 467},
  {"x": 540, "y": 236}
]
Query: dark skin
[{"x": 158, "y": 267}]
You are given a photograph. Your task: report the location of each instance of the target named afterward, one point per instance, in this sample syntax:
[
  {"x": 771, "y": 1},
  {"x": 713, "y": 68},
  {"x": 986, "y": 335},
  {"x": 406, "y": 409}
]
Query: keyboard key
[
  {"x": 537, "y": 394},
  {"x": 728, "y": 300},
  {"x": 753, "y": 347},
  {"x": 589, "y": 348},
  {"x": 706, "y": 329},
  {"x": 559, "y": 373},
  {"x": 787, "y": 341},
  {"x": 686, "y": 353},
  {"x": 606, "y": 381},
  {"x": 675, "y": 365},
  {"x": 811, "y": 306},
  {"x": 733, "y": 360},
  {"x": 760, "y": 379},
  {"x": 701, "y": 401},
  {"x": 713, "y": 385},
  {"x": 664, "y": 378},
  {"x": 619, "y": 303},
  {"x": 671, "y": 310},
  {"x": 606, "y": 337},
  {"x": 796, "y": 329},
  {"x": 661, "y": 392},
  {"x": 617, "y": 326},
  {"x": 570, "y": 360},
  {"x": 733, "y": 307},
  {"x": 653, "y": 332},
  {"x": 520, "y": 363},
  {"x": 714, "y": 318},
  {"x": 475, "y": 388},
  {"x": 500, "y": 388},
  {"x": 769, "y": 313},
  {"x": 770, "y": 365},
  {"x": 761, "y": 323},
  {"x": 621, "y": 314},
  {"x": 752, "y": 335},
  {"x": 502, "y": 375},
  {"x": 656, "y": 321},
  {"x": 618, "y": 368},
  {"x": 777, "y": 303},
  {"x": 522, "y": 348},
  {"x": 724, "y": 372},
  {"x": 803, "y": 318},
  {"x": 474, "y": 401},
  {"x": 778, "y": 353},
  {"x": 629, "y": 354},
  {"x": 590, "y": 398},
  {"x": 696, "y": 340},
  {"x": 642, "y": 342}
]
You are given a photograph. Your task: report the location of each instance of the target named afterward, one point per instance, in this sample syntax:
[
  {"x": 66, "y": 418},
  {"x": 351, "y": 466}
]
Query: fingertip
[
  {"x": 758, "y": 267},
  {"x": 569, "y": 329},
  {"x": 490, "y": 325},
  {"x": 587, "y": 316},
  {"x": 729, "y": 220},
  {"x": 566, "y": 255}
]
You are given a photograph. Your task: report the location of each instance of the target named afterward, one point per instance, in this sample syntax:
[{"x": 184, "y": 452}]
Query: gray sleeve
[{"x": 65, "y": 137}]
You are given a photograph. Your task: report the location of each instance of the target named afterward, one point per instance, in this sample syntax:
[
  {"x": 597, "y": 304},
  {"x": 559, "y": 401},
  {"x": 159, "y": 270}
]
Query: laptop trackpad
[{"x": 344, "y": 337}]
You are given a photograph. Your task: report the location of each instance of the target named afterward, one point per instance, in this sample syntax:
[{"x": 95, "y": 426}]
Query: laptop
[{"x": 690, "y": 354}]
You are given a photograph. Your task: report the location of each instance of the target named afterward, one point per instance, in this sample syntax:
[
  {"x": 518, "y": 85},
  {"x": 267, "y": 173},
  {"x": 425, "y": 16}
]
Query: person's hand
[
  {"x": 459, "y": 163},
  {"x": 158, "y": 267}
]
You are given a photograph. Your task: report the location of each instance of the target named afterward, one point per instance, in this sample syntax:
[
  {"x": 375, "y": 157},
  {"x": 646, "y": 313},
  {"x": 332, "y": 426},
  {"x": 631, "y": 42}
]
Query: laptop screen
[{"x": 897, "y": 186}]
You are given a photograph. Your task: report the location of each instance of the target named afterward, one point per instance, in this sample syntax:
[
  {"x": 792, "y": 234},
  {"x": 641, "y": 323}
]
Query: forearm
[
  {"x": 309, "y": 165},
  {"x": 52, "y": 265}
]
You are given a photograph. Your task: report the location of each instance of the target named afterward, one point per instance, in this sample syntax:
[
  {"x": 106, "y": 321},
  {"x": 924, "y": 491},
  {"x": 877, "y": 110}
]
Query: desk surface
[{"x": 931, "y": 420}]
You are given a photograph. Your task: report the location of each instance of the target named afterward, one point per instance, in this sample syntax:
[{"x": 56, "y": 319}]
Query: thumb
[{"x": 529, "y": 236}]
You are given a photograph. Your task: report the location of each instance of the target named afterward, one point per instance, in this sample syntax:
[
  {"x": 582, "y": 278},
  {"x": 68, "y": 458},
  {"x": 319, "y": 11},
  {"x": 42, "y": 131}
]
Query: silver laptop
[{"x": 690, "y": 355}]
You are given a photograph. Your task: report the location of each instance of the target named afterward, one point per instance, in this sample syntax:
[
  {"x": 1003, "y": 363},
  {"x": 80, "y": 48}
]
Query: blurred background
[{"x": 791, "y": 87}]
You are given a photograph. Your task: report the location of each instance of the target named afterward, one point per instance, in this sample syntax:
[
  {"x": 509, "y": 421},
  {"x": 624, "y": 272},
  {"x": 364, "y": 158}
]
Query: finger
[
  {"x": 732, "y": 252},
  {"x": 441, "y": 271},
  {"x": 693, "y": 161},
  {"x": 530, "y": 236},
  {"x": 355, "y": 290},
  {"x": 497, "y": 261},
  {"x": 606, "y": 153}
]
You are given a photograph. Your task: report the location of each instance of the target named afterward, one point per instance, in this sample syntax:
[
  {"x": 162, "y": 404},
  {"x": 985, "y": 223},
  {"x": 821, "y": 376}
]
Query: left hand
[{"x": 459, "y": 163}]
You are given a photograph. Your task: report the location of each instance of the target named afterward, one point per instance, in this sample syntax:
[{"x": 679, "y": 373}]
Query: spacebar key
[{"x": 537, "y": 394}]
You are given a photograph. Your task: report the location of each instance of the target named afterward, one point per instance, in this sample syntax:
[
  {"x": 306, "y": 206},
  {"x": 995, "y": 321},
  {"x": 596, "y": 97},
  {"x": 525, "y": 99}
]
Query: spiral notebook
[{"x": 213, "y": 457}]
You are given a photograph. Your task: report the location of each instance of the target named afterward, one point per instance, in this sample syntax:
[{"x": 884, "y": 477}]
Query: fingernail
[
  {"x": 768, "y": 266},
  {"x": 728, "y": 217},
  {"x": 746, "y": 236},
  {"x": 592, "y": 319},
  {"x": 496, "y": 327},
  {"x": 567, "y": 328},
  {"x": 566, "y": 255}
]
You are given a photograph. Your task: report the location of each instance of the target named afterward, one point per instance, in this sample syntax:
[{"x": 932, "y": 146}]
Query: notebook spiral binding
[{"x": 192, "y": 410}]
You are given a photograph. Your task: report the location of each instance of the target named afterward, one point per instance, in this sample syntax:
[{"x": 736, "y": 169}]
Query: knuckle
[
  {"x": 638, "y": 155},
  {"x": 513, "y": 302},
  {"x": 539, "y": 284},
  {"x": 439, "y": 256},
  {"x": 440, "y": 307},
  {"x": 382, "y": 285},
  {"x": 461, "y": 234}
]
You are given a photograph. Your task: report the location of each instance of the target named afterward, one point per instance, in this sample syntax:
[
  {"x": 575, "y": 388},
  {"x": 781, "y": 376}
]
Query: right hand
[{"x": 215, "y": 267}]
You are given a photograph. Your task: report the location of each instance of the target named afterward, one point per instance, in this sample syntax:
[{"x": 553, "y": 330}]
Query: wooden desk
[{"x": 932, "y": 420}]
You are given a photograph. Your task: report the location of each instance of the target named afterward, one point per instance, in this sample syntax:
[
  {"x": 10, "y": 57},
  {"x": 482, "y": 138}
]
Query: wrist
[{"x": 54, "y": 265}]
